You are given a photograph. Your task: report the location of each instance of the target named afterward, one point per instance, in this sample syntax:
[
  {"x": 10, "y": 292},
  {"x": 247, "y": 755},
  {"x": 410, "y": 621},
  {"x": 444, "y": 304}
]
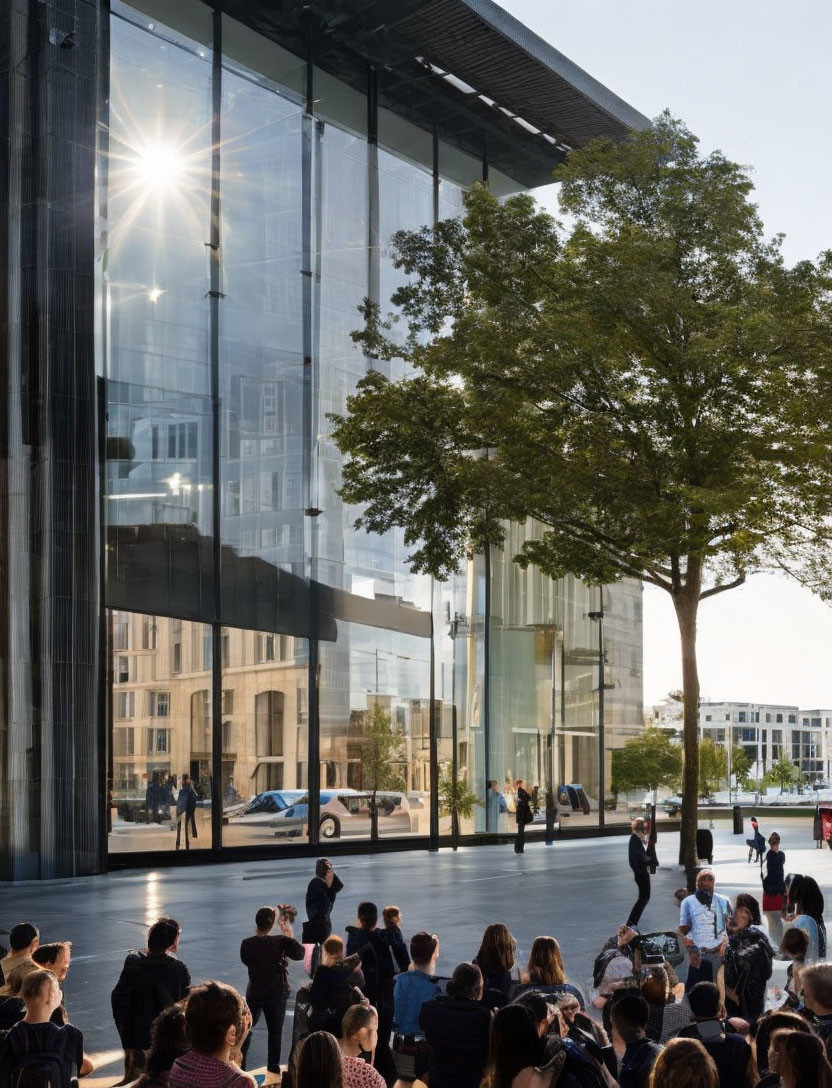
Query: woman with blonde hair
[
  {"x": 684, "y": 1063},
  {"x": 496, "y": 961},
  {"x": 799, "y": 1059}
]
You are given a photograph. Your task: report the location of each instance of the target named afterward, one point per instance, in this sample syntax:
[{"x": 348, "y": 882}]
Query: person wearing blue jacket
[{"x": 411, "y": 989}]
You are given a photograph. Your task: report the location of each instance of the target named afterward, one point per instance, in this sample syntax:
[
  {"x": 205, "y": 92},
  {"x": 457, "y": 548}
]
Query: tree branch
[{"x": 712, "y": 592}]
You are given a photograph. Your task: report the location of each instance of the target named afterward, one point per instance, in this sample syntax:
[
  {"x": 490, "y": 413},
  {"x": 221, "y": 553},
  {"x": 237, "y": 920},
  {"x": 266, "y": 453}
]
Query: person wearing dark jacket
[
  {"x": 382, "y": 951},
  {"x": 630, "y": 1013},
  {"x": 266, "y": 958},
  {"x": 733, "y": 1057},
  {"x": 186, "y": 811},
  {"x": 150, "y": 981},
  {"x": 457, "y": 1029},
  {"x": 522, "y": 814},
  {"x": 335, "y": 986},
  {"x": 639, "y": 859},
  {"x": 320, "y": 899}
]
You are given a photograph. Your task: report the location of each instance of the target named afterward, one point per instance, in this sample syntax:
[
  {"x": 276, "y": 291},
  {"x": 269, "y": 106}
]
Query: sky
[{"x": 752, "y": 78}]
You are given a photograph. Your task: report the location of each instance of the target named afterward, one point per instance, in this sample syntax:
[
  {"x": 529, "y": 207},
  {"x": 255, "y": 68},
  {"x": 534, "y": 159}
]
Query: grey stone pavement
[{"x": 576, "y": 890}]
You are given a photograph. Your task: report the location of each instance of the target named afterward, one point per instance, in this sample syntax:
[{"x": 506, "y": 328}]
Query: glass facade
[{"x": 291, "y": 666}]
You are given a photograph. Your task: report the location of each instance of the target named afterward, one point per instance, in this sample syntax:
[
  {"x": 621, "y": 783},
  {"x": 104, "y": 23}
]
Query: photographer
[{"x": 266, "y": 958}]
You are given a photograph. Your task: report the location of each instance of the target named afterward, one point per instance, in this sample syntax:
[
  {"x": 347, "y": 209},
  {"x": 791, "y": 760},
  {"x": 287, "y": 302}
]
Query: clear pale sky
[{"x": 755, "y": 80}]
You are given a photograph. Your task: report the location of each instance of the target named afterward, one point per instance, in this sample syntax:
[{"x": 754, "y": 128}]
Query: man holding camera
[{"x": 266, "y": 958}]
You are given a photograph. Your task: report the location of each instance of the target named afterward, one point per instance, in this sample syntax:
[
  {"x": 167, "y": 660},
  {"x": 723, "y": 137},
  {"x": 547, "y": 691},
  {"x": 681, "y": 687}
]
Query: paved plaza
[{"x": 576, "y": 890}]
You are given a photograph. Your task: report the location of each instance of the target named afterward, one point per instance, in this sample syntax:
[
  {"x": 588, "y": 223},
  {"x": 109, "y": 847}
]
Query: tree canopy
[
  {"x": 713, "y": 766},
  {"x": 647, "y": 762},
  {"x": 650, "y": 383}
]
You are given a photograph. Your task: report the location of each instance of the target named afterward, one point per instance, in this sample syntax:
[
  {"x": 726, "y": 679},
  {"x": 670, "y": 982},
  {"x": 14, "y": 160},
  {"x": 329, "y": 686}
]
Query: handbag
[{"x": 772, "y": 902}]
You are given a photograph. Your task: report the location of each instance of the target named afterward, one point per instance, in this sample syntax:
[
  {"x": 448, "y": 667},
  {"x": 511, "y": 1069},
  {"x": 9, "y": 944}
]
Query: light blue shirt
[{"x": 707, "y": 924}]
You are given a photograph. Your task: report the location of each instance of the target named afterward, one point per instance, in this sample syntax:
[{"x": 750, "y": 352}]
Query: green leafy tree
[
  {"x": 713, "y": 767},
  {"x": 741, "y": 765},
  {"x": 647, "y": 762},
  {"x": 648, "y": 384},
  {"x": 455, "y": 800},
  {"x": 782, "y": 773},
  {"x": 383, "y": 758}
]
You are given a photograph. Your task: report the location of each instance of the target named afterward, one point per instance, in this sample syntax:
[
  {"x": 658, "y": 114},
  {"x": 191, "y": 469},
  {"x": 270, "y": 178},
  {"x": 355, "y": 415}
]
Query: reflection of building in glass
[{"x": 212, "y": 235}]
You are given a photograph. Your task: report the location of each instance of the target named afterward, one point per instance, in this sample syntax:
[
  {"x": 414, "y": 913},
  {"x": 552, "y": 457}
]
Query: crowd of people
[{"x": 378, "y": 1012}]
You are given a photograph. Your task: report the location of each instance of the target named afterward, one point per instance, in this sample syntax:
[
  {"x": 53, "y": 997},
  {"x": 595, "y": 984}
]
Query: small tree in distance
[
  {"x": 650, "y": 385},
  {"x": 782, "y": 773},
  {"x": 647, "y": 762},
  {"x": 382, "y": 758},
  {"x": 713, "y": 766},
  {"x": 456, "y": 800},
  {"x": 740, "y": 765}
]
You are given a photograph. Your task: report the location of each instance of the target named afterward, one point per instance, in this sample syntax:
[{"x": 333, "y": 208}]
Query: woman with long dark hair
[
  {"x": 495, "y": 959},
  {"x": 318, "y": 1063},
  {"x": 805, "y": 910},
  {"x": 748, "y": 960},
  {"x": 515, "y": 1053}
]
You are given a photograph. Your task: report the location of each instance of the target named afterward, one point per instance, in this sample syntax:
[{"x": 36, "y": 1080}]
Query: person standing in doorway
[
  {"x": 640, "y": 864},
  {"x": 185, "y": 811},
  {"x": 522, "y": 814}
]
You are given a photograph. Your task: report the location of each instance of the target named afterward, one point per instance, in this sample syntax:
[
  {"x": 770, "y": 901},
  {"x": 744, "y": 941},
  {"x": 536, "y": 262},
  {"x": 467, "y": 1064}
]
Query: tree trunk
[
  {"x": 454, "y": 827},
  {"x": 686, "y": 603}
]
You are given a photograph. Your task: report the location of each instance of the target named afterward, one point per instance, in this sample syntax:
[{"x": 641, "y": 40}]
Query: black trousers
[
  {"x": 273, "y": 1010},
  {"x": 520, "y": 841},
  {"x": 643, "y": 885}
]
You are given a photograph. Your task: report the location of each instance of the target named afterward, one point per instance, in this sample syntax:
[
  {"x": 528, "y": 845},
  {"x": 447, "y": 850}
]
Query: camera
[
  {"x": 651, "y": 954},
  {"x": 287, "y": 911}
]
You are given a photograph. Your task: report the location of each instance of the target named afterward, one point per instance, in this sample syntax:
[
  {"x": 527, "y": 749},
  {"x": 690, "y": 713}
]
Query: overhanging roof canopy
[{"x": 466, "y": 65}]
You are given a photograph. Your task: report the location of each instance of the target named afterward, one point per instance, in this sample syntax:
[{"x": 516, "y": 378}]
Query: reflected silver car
[{"x": 346, "y": 813}]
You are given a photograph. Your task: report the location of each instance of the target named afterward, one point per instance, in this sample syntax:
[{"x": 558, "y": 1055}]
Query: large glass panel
[
  {"x": 375, "y": 731},
  {"x": 265, "y": 724},
  {"x": 577, "y": 737},
  {"x": 261, "y": 354},
  {"x": 155, "y": 340},
  {"x": 623, "y": 711},
  {"x": 161, "y": 733}
]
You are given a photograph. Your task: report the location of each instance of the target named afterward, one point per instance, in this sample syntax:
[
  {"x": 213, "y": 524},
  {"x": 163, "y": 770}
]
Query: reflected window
[
  {"x": 268, "y": 723},
  {"x": 200, "y": 722}
]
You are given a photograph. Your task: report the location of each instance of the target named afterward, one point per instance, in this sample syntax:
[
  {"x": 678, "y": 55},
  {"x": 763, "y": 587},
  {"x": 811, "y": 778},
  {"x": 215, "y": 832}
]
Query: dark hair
[
  {"x": 264, "y": 918},
  {"x": 167, "y": 1038},
  {"x": 806, "y": 897},
  {"x": 465, "y": 981},
  {"x": 367, "y": 914},
  {"x": 422, "y": 946},
  {"x": 162, "y": 935},
  {"x": 33, "y": 983},
  {"x": 22, "y": 935},
  {"x": 704, "y": 1000},
  {"x": 630, "y": 1014},
  {"x": 803, "y": 1052},
  {"x": 795, "y": 942},
  {"x": 535, "y": 1005},
  {"x": 497, "y": 948},
  {"x": 211, "y": 1009},
  {"x": 766, "y": 1026},
  {"x": 322, "y": 867},
  {"x": 318, "y": 1063},
  {"x": 751, "y": 905},
  {"x": 45, "y": 954},
  {"x": 515, "y": 1045}
]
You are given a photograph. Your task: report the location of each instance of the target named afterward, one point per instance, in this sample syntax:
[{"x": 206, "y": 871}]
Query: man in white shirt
[{"x": 703, "y": 921}]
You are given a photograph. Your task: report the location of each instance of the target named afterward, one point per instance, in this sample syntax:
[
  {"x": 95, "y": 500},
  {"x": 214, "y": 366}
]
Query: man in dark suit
[{"x": 640, "y": 864}]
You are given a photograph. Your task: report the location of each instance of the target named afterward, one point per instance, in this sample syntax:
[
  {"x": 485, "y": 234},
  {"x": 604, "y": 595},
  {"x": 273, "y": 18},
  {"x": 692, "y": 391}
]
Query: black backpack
[
  {"x": 602, "y": 962},
  {"x": 51, "y": 1066}
]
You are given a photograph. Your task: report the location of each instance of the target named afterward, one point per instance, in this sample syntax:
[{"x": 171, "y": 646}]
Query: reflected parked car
[
  {"x": 346, "y": 813},
  {"x": 263, "y": 808}
]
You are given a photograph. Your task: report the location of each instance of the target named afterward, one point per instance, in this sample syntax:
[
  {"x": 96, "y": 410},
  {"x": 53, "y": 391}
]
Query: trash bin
[{"x": 737, "y": 820}]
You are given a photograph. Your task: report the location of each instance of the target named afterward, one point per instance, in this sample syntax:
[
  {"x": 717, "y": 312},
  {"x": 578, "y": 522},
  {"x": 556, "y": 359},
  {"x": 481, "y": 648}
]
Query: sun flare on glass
[{"x": 159, "y": 167}]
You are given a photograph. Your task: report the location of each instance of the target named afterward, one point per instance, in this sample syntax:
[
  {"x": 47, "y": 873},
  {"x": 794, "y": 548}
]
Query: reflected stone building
[{"x": 196, "y": 199}]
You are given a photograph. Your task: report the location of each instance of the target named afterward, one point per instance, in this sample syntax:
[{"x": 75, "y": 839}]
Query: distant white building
[{"x": 772, "y": 731}]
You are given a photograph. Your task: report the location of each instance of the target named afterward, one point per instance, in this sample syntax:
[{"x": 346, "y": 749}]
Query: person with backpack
[
  {"x": 151, "y": 980},
  {"x": 411, "y": 990},
  {"x": 35, "y": 1051},
  {"x": 267, "y": 958},
  {"x": 381, "y": 951},
  {"x": 733, "y": 1057},
  {"x": 629, "y": 1014}
]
